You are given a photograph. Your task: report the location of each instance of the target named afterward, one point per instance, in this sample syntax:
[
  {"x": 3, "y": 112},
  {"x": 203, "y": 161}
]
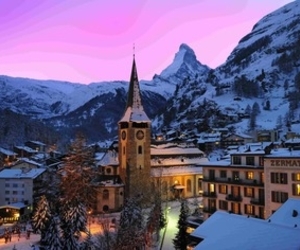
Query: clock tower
[{"x": 134, "y": 133}]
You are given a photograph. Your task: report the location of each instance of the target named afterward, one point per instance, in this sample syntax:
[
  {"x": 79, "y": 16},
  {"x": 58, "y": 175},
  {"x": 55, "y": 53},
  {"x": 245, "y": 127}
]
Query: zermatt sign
[{"x": 285, "y": 163}]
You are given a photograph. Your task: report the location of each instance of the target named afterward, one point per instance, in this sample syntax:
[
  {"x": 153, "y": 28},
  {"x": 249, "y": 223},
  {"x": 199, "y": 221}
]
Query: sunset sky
[{"x": 92, "y": 40}]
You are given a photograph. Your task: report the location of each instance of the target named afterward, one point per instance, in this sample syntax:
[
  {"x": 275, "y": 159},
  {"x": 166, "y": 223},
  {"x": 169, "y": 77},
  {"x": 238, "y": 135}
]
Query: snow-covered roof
[
  {"x": 25, "y": 148},
  {"x": 177, "y": 170},
  {"x": 283, "y": 152},
  {"x": 21, "y": 160},
  {"x": 7, "y": 152},
  {"x": 109, "y": 158},
  {"x": 173, "y": 149},
  {"x": 232, "y": 231},
  {"x": 38, "y": 143},
  {"x": 20, "y": 174},
  {"x": 17, "y": 205}
]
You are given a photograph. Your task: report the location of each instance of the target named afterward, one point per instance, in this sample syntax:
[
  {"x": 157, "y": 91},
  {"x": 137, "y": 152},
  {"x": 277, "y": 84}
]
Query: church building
[{"x": 137, "y": 165}]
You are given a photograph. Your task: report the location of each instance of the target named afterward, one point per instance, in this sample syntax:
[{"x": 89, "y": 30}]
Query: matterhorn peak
[{"x": 184, "y": 62}]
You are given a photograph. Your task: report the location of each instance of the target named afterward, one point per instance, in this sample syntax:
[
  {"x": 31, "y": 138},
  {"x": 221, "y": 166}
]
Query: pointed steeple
[{"x": 134, "y": 109}]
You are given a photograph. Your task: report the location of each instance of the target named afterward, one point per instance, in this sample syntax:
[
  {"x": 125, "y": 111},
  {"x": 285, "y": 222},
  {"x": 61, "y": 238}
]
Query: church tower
[{"x": 134, "y": 132}]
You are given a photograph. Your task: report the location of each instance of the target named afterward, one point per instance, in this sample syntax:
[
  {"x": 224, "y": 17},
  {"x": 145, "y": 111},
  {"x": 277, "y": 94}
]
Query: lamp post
[{"x": 89, "y": 221}]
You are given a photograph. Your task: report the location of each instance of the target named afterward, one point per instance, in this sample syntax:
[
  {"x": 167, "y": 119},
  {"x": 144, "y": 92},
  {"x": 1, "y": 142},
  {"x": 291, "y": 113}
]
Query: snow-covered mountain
[{"x": 262, "y": 69}]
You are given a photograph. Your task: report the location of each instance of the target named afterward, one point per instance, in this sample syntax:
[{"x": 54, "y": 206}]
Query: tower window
[
  {"x": 123, "y": 150},
  {"x": 140, "y": 150},
  {"x": 105, "y": 194}
]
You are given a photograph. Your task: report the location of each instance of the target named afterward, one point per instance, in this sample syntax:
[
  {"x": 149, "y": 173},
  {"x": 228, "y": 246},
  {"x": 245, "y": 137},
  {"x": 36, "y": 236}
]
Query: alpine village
[{"x": 212, "y": 164}]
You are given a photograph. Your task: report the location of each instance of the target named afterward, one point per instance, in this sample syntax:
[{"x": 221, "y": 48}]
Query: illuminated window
[
  {"x": 249, "y": 192},
  {"x": 249, "y": 175},
  {"x": 188, "y": 186},
  {"x": 222, "y": 189},
  {"x": 249, "y": 209},
  {"x": 105, "y": 194},
  {"x": 296, "y": 189},
  {"x": 211, "y": 187},
  {"x": 296, "y": 177},
  {"x": 235, "y": 207}
]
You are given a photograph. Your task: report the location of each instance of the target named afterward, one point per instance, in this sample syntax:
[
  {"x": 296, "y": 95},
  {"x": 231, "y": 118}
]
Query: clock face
[
  {"x": 123, "y": 135},
  {"x": 140, "y": 134}
]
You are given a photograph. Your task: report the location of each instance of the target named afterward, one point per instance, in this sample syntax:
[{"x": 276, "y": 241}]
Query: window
[
  {"x": 223, "y": 205},
  {"x": 108, "y": 170},
  {"x": 249, "y": 175},
  {"x": 236, "y": 175},
  {"x": 249, "y": 209},
  {"x": 105, "y": 194},
  {"x": 140, "y": 150},
  {"x": 123, "y": 150},
  {"x": 188, "y": 186},
  {"x": 237, "y": 160},
  {"x": 235, "y": 207},
  {"x": 249, "y": 192},
  {"x": 15, "y": 192},
  {"x": 6, "y": 191},
  {"x": 280, "y": 178},
  {"x": 279, "y": 197},
  {"x": 15, "y": 185},
  {"x": 6, "y": 184},
  {"x": 222, "y": 189},
  {"x": 250, "y": 160},
  {"x": 296, "y": 177},
  {"x": 223, "y": 174},
  {"x": 296, "y": 189}
]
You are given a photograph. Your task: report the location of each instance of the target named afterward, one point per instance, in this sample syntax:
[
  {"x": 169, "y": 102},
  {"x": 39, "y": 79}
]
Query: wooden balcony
[
  {"x": 210, "y": 194},
  {"x": 260, "y": 202},
  {"x": 231, "y": 197}
]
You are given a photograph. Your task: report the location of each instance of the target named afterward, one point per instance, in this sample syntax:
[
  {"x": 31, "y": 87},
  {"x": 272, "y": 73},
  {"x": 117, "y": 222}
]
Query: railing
[
  {"x": 234, "y": 181},
  {"x": 210, "y": 194},
  {"x": 231, "y": 197},
  {"x": 257, "y": 202},
  {"x": 209, "y": 210}
]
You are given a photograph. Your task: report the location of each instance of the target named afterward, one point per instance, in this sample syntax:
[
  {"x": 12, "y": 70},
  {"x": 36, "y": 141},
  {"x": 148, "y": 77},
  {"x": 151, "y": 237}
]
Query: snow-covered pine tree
[
  {"x": 131, "y": 232},
  {"x": 74, "y": 222},
  {"x": 42, "y": 217},
  {"x": 181, "y": 238},
  {"x": 53, "y": 236}
]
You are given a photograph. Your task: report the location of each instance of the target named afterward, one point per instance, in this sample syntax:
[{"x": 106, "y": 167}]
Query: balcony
[
  {"x": 210, "y": 194},
  {"x": 231, "y": 197},
  {"x": 239, "y": 181},
  {"x": 257, "y": 202},
  {"x": 209, "y": 210}
]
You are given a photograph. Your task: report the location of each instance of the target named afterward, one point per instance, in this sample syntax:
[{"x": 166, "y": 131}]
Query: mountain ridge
[{"x": 187, "y": 95}]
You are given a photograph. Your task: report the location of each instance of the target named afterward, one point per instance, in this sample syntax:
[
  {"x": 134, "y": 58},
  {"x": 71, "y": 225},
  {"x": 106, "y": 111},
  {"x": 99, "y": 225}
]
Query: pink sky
[{"x": 91, "y": 40}]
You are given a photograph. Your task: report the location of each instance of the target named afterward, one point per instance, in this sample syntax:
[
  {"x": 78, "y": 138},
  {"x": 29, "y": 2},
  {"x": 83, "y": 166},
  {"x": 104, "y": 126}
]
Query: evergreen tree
[
  {"x": 42, "y": 217},
  {"x": 131, "y": 232},
  {"x": 181, "y": 239},
  {"x": 248, "y": 110},
  {"x": 77, "y": 174},
  {"x": 252, "y": 121},
  {"x": 53, "y": 237},
  {"x": 74, "y": 222},
  {"x": 255, "y": 109}
]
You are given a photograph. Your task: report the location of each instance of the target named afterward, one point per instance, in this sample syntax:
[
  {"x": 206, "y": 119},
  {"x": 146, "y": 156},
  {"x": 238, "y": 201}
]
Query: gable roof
[{"x": 232, "y": 231}]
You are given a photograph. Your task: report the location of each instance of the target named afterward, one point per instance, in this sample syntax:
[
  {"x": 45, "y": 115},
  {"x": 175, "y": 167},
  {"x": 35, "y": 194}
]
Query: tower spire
[{"x": 134, "y": 101}]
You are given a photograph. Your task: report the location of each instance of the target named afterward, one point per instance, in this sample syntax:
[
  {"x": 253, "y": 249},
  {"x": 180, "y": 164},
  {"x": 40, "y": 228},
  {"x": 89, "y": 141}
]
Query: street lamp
[{"x": 89, "y": 221}]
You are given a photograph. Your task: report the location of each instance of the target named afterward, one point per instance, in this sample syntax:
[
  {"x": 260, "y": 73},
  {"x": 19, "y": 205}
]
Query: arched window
[
  {"x": 123, "y": 150},
  {"x": 188, "y": 185},
  {"x": 105, "y": 194},
  {"x": 140, "y": 150},
  {"x": 105, "y": 208}
]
